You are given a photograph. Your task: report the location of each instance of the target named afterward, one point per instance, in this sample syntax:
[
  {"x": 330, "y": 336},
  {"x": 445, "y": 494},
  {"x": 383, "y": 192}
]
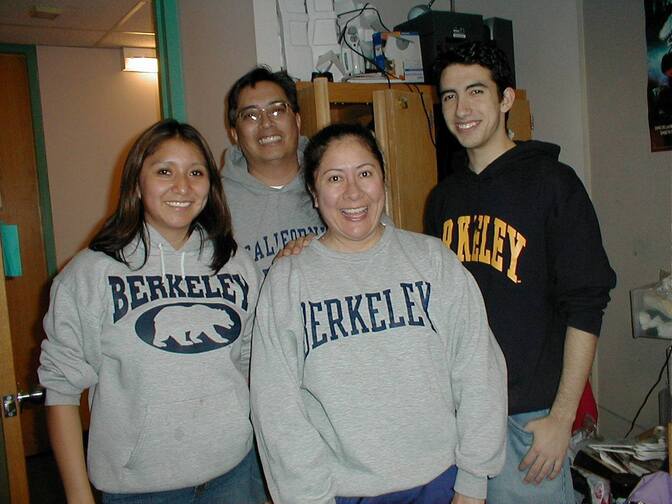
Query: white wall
[
  {"x": 218, "y": 46},
  {"x": 91, "y": 111},
  {"x": 631, "y": 191}
]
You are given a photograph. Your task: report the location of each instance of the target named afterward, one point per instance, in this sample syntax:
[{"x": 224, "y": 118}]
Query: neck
[
  {"x": 275, "y": 173},
  {"x": 481, "y": 157},
  {"x": 334, "y": 242}
]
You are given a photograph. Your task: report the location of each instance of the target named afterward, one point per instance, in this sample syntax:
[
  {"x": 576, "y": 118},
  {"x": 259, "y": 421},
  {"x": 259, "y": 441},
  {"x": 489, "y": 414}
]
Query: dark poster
[{"x": 659, "y": 87}]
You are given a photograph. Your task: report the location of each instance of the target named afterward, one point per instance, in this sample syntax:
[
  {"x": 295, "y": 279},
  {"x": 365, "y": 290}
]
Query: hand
[
  {"x": 295, "y": 247},
  {"x": 463, "y": 499},
  {"x": 549, "y": 448}
]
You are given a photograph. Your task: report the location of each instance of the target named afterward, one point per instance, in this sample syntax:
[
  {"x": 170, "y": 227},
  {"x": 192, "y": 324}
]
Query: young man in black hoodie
[{"x": 524, "y": 226}]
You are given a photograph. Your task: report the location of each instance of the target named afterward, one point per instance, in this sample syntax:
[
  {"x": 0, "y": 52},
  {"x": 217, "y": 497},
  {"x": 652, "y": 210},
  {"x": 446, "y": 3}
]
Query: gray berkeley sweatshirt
[
  {"x": 374, "y": 372},
  {"x": 266, "y": 218},
  {"x": 164, "y": 351}
]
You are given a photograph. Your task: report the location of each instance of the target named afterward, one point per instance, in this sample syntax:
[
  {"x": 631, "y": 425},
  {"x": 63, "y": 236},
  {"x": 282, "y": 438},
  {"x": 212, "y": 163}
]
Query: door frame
[
  {"x": 169, "y": 51},
  {"x": 13, "y": 437},
  {"x": 30, "y": 53}
]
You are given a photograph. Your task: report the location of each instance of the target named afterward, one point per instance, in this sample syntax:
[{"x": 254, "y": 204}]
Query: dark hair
[
  {"x": 320, "y": 142},
  {"x": 485, "y": 54},
  {"x": 128, "y": 220},
  {"x": 251, "y": 79}
]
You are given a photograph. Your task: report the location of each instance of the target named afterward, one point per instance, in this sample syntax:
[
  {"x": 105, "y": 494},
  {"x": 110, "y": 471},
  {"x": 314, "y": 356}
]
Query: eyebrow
[
  {"x": 477, "y": 84},
  {"x": 261, "y": 106}
]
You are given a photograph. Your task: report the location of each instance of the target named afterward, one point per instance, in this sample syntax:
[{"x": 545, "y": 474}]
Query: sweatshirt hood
[
  {"x": 235, "y": 171},
  {"x": 161, "y": 252},
  {"x": 520, "y": 155}
]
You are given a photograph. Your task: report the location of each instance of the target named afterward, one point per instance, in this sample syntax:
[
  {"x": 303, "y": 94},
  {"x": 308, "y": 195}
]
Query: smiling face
[
  {"x": 350, "y": 195},
  {"x": 268, "y": 139},
  {"x": 173, "y": 187},
  {"x": 473, "y": 110}
]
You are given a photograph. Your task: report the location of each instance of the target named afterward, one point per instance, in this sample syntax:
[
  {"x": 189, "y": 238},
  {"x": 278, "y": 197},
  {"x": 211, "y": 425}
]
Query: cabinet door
[{"x": 405, "y": 128}]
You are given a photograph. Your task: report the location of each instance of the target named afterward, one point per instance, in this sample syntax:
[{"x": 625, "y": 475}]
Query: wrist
[{"x": 562, "y": 416}]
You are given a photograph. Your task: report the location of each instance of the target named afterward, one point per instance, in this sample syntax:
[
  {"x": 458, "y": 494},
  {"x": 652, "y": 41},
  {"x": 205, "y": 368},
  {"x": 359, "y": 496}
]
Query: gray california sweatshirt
[
  {"x": 266, "y": 218},
  {"x": 164, "y": 351},
  {"x": 374, "y": 372}
]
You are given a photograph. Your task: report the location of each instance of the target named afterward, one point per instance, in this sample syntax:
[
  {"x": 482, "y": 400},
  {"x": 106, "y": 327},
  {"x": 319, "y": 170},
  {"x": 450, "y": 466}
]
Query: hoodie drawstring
[{"x": 163, "y": 265}]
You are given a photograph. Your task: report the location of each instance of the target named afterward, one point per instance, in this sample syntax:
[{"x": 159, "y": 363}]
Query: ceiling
[{"x": 81, "y": 23}]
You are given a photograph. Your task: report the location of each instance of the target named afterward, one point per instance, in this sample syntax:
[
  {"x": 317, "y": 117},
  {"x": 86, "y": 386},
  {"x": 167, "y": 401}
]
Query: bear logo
[{"x": 189, "y": 327}]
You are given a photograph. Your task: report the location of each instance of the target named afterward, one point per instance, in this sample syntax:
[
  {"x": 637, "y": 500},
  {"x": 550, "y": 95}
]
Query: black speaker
[
  {"x": 440, "y": 30},
  {"x": 501, "y": 32}
]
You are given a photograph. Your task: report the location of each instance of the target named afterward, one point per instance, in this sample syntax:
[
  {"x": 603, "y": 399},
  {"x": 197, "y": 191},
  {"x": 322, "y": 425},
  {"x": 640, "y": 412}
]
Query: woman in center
[{"x": 374, "y": 377}]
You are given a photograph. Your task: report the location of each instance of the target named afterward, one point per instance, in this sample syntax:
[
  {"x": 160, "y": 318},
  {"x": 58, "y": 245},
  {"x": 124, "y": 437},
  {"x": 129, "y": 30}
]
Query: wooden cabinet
[{"x": 403, "y": 119}]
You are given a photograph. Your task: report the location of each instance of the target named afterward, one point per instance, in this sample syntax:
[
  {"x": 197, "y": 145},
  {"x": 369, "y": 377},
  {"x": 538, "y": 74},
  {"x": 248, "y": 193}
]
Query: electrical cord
[
  {"x": 648, "y": 394},
  {"x": 424, "y": 109},
  {"x": 343, "y": 40},
  {"x": 361, "y": 12}
]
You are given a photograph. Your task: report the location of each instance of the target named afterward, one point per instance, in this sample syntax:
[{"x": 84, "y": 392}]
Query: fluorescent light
[{"x": 137, "y": 59}]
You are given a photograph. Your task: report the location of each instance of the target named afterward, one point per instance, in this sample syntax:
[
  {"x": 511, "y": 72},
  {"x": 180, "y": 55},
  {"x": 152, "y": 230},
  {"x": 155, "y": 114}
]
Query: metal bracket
[
  {"x": 9, "y": 406},
  {"x": 9, "y": 402}
]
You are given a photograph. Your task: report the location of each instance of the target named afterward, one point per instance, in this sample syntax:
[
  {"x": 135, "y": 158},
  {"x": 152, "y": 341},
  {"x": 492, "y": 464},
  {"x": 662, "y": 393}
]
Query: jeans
[
  {"x": 509, "y": 488},
  {"x": 241, "y": 485},
  {"x": 438, "y": 491}
]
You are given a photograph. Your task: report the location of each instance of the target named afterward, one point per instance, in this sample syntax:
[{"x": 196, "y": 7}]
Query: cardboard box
[
  {"x": 399, "y": 54},
  {"x": 651, "y": 313}
]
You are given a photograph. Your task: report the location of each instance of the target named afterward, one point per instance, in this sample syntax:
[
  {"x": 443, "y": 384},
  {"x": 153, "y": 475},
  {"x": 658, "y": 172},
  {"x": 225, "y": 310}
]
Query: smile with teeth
[
  {"x": 269, "y": 139},
  {"x": 354, "y": 212},
  {"x": 178, "y": 204},
  {"x": 466, "y": 125}
]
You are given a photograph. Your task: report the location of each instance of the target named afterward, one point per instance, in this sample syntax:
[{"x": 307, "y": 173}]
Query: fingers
[
  {"x": 557, "y": 468},
  {"x": 528, "y": 460},
  {"x": 294, "y": 247},
  {"x": 540, "y": 468}
]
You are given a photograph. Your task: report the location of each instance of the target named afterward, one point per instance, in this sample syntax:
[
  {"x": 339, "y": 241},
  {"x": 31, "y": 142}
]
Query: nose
[
  {"x": 352, "y": 190},
  {"x": 463, "y": 107},
  {"x": 265, "y": 120},
  {"x": 181, "y": 183}
]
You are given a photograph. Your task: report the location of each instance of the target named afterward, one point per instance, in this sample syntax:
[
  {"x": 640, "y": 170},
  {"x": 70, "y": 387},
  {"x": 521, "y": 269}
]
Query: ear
[
  {"x": 314, "y": 198},
  {"x": 234, "y": 135},
  {"x": 298, "y": 121},
  {"x": 509, "y": 96}
]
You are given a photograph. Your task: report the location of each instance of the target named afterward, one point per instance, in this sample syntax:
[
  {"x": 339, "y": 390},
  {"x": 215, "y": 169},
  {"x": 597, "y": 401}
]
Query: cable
[
  {"x": 648, "y": 394},
  {"x": 424, "y": 109},
  {"x": 385, "y": 73},
  {"x": 361, "y": 11},
  {"x": 343, "y": 39}
]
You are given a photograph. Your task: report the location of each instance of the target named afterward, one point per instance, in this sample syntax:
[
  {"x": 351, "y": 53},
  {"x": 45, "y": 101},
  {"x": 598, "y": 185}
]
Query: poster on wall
[{"x": 659, "y": 84}]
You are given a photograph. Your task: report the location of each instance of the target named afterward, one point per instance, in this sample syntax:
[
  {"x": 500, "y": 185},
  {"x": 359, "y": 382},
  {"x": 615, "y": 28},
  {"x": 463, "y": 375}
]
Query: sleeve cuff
[
  {"x": 471, "y": 485},
  {"x": 57, "y": 399}
]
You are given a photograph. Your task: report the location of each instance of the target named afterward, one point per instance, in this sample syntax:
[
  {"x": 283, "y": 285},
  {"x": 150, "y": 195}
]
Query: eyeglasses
[{"x": 275, "y": 111}]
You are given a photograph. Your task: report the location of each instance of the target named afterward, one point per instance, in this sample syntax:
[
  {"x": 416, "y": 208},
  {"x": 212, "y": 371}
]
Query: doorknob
[{"x": 9, "y": 402}]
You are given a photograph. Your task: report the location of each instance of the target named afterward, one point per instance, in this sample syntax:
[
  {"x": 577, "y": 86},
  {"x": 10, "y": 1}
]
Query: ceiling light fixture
[
  {"x": 44, "y": 12},
  {"x": 139, "y": 59}
]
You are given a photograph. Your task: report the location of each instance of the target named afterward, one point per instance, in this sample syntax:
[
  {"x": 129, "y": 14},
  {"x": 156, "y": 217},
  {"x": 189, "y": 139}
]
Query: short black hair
[
  {"x": 320, "y": 142},
  {"x": 485, "y": 54},
  {"x": 261, "y": 73}
]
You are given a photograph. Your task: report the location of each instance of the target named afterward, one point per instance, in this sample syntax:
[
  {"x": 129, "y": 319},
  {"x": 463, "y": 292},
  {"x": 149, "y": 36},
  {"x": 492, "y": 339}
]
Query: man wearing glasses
[{"x": 262, "y": 176}]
